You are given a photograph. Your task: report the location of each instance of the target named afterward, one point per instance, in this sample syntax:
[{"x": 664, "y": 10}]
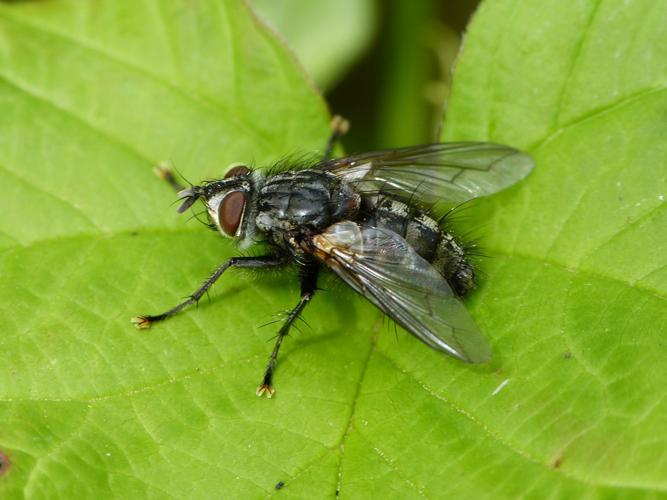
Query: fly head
[{"x": 229, "y": 202}]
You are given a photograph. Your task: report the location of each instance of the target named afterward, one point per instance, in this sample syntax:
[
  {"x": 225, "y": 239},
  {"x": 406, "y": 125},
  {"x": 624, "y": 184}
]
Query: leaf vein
[
  {"x": 574, "y": 61},
  {"x": 229, "y": 113},
  {"x": 353, "y": 406}
]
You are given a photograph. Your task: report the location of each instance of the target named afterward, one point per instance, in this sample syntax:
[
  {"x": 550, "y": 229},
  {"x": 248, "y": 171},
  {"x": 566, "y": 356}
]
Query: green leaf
[
  {"x": 327, "y": 36},
  {"x": 92, "y": 95},
  {"x": 576, "y": 293}
]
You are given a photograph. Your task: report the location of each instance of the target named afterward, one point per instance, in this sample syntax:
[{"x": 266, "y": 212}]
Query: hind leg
[{"x": 339, "y": 127}]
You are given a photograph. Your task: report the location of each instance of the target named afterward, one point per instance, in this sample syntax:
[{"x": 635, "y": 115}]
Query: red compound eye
[
  {"x": 236, "y": 171},
  {"x": 231, "y": 211}
]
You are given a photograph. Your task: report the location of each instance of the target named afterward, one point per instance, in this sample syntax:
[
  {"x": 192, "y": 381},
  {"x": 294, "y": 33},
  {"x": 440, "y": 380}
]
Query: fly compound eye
[
  {"x": 237, "y": 171},
  {"x": 230, "y": 212}
]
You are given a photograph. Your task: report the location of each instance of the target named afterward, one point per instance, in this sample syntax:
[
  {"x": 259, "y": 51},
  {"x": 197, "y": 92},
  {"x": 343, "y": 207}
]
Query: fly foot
[
  {"x": 265, "y": 389},
  {"x": 141, "y": 322},
  {"x": 339, "y": 125},
  {"x": 163, "y": 171}
]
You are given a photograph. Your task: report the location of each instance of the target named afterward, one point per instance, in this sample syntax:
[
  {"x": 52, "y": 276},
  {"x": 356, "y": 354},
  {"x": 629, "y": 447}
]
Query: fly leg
[
  {"x": 243, "y": 262},
  {"x": 308, "y": 287},
  {"x": 165, "y": 173},
  {"x": 339, "y": 127}
]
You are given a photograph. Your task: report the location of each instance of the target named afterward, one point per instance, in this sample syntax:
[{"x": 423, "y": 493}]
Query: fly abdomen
[
  {"x": 452, "y": 262},
  {"x": 423, "y": 233}
]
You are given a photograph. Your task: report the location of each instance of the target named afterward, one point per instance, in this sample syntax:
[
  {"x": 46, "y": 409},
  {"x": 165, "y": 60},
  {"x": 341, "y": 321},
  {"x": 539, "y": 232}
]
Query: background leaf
[
  {"x": 93, "y": 94},
  {"x": 327, "y": 36}
]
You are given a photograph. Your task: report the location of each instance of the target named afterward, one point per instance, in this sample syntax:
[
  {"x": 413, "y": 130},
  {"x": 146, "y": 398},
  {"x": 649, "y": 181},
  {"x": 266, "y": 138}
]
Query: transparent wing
[
  {"x": 384, "y": 268},
  {"x": 453, "y": 172}
]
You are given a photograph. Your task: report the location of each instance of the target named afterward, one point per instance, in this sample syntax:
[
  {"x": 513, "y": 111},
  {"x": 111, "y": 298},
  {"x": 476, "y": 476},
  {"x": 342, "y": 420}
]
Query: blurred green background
[{"x": 384, "y": 65}]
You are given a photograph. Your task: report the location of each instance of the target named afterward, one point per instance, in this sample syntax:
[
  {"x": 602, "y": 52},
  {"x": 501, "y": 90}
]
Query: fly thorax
[{"x": 302, "y": 200}]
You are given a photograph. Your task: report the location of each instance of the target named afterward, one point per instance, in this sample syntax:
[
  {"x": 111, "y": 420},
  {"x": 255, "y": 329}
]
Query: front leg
[
  {"x": 243, "y": 262},
  {"x": 164, "y": 172},
  {"x": 308, "y": 287}
]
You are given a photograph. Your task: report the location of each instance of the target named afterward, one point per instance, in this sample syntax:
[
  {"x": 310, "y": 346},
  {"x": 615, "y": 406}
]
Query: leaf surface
[{"x": 573, "y": 301}]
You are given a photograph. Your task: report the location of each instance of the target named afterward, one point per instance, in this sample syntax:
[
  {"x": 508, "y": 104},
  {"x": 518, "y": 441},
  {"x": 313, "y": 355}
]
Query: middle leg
[{"x": 308, "y": 287}]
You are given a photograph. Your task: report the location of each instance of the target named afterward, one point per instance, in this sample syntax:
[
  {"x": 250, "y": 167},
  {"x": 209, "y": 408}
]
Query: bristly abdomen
[{"x": 435, "y": 244}]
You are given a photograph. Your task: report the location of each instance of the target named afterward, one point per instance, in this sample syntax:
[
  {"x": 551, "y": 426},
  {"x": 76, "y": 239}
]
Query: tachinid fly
[{"x": 364, "y": 216}]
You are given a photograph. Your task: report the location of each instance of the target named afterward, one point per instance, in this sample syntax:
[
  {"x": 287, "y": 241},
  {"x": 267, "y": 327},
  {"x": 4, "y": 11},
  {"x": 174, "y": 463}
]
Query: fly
[{"x": 364, "y": 217}]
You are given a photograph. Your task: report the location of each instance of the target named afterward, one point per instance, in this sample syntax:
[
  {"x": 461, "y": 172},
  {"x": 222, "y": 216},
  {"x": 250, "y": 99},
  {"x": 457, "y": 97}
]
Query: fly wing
[
  {"x": 384, "y": 268},
  {"x": 454, "y": 172}
]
